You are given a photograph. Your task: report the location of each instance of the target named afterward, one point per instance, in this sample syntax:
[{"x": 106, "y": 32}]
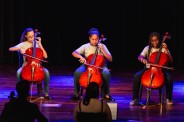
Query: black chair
[{"x": 148, "y": 90}]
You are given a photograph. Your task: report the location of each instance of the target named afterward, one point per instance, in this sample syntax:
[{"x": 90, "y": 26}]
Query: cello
[
  {"x": 33, "y": 70},
  {"x": 95, "y": 64},
  {"x": 155, "y": 78}
]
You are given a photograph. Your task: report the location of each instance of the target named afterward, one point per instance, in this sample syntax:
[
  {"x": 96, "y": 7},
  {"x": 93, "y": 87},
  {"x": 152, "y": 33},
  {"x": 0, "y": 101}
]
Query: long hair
[
  {"x": 152, "y": 34},
  {"x": 23, "y": 38},
  {"x": 92, "y": 91}
]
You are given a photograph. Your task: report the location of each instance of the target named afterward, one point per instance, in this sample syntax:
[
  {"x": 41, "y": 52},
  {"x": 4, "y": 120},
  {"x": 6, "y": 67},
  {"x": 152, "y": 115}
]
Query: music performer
[
  {"x": 26, "y": 41},
  {"x": 154, "y": 44},
  {"x": 82, "y": 53}
]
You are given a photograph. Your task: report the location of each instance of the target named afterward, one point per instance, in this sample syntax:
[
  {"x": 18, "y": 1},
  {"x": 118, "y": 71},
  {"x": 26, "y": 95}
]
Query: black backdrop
[{"x": 64, "y": 27}]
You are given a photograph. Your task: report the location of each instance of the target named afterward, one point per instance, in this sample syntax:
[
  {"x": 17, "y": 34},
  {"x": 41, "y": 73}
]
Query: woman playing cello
[
  {"x": 26, "y": 42},
  {"x": 154, "y": 44},
  {"x": 82, "y": 53}
]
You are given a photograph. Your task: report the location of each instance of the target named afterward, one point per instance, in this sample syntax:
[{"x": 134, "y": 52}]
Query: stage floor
[{"x": 60, "y": 109}]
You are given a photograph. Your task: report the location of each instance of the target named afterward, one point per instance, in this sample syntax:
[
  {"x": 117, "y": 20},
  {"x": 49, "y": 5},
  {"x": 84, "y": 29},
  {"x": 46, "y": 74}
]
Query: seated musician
[
  {"x": 82, "y": 53},
  {"x": 154, "y": 44},
  {"x": 26, "y": 41}
]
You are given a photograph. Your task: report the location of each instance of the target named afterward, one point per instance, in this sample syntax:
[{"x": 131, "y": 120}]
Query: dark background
[{"x": 64, "y": 27}]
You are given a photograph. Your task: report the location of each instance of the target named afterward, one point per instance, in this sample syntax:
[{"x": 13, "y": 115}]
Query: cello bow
[
  {"x": 156, "y": 65},
  {"x": 35, "y": 58}
]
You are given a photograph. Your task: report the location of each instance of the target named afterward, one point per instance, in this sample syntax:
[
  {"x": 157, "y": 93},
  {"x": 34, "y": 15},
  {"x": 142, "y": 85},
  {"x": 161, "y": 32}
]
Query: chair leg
[
  {"x": 81, "y": 91},
  {"x": 39, "y": 89},
  {"x": 31, "y": 91},
  {"x": 148, "y": 96},
  {"x": 101, "y": 92},
  {"x": 160, "y": 95}
]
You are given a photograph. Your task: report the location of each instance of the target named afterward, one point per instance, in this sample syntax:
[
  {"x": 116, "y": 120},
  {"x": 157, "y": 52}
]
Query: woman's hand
[
  {"x": 164, "y": 45},
  {"x": 22, "y": 51},
  {"x": 100, "y": 46},
  {"x": 82, "y": 60},
  {"x": 39, "y": 40},
  {"x": 144, "y": 61}
]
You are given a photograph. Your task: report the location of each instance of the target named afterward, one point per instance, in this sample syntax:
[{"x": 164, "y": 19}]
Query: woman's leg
[
  {"x": 46, "y": 81},
  {"x": 19, "y": 77},
  {"x": 106, "y": 76},
  {"x": 168, "y": 85},
  {"x": 77, "y": 75}
]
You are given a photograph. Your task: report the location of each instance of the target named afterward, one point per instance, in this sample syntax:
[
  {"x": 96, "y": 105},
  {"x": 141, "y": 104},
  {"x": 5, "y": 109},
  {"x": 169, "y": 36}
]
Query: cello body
[
  {"x": 155, "y": 78},
  {"x": 33, "y": 70},
  {"x": 92, "y": 74}
]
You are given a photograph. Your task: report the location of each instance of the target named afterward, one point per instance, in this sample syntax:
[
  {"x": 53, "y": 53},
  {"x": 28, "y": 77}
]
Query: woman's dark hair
[
  {"x": 152, "y": 34},
  {"x": 92, "y": 91},
  {"x": 23, "y": 38},
  {"x": 94, "y": 31}
]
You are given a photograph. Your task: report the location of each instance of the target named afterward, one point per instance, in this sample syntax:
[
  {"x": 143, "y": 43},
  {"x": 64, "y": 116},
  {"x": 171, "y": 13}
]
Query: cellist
[
  {"x": 26, "y": 41},
  {"x": 154, "y": 44},
  {"x": 82, "y": 53}
]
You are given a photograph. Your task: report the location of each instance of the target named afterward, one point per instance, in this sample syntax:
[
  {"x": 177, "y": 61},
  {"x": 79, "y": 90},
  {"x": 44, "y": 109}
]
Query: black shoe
[
  {"x": 74, "y": 97},
  {"x": 46, "y": 96},
  {"x": 109, "y": 98}
]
